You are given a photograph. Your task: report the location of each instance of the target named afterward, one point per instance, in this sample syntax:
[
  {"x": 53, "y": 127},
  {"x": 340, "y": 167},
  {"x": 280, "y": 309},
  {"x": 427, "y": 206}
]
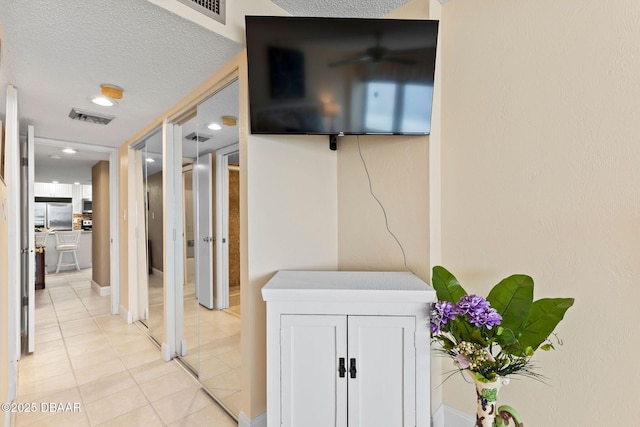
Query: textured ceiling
[
  {"x": 58, "y": 53},
  {"x": 340, "y": 8}
]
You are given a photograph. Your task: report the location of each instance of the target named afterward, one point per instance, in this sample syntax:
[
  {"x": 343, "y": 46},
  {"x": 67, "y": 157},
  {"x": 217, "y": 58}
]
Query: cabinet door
[
  {"x": 63, "y": 190},
  {"x": 313, "y": 394},
  {"x": 87, "y": 192},
  {"x": 43, "y": 189},
  {"x": 382, "y": 394}
]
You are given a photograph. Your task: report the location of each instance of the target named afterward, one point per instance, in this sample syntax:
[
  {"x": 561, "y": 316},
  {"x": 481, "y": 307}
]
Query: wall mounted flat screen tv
[{"x": 331, "y": 76}]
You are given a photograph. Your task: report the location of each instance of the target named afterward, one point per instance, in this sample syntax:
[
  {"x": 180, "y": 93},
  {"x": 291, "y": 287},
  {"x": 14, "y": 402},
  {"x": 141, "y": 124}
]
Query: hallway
[{"x": 110, "y": 370}]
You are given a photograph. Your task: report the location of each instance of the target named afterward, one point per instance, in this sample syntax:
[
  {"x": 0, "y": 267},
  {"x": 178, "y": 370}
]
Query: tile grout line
[
  {"x": 127, "y": 369},
  {"x": 66, "y": 349},
  {"x": 75, "y": 379}
]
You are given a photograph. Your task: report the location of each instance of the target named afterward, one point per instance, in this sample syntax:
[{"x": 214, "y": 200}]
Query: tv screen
[{"x": 340, "y": 75}]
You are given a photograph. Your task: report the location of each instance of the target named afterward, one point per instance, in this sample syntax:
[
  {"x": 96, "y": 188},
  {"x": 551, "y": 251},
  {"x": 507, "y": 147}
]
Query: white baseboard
[
  {"x": 100, "y": 290},
  {"x": 124, "y": 313},
  {"x": 450, "y": 417},
  {"x": 259, "y": 421}
]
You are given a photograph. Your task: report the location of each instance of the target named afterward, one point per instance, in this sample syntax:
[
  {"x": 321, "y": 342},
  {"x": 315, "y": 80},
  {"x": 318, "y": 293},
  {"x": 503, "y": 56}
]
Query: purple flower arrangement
[
  {"x": 474, "y": 308},
  {"x": 497, "y": 335}
]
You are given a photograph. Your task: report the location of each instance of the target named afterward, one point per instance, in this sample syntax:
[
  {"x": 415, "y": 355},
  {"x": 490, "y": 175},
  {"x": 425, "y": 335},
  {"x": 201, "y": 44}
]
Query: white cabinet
[
  {"x": 46, "y": 189},
  {"x": 87, "y": 192},
  {"x": 347, "y": 349},
  {"x": 77, "y": 199}
]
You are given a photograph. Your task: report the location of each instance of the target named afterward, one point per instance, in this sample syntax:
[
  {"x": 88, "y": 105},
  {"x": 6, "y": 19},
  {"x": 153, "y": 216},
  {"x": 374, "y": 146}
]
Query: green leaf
[
  {"x": 446, "y": 285},
  {"x": 505, "y": 338},
  {"x": 476, "y": 336},
  {"x": 545, "y": 315},
  {"x": 512, "y": 298},
  {"x": 547, "y": 347}
]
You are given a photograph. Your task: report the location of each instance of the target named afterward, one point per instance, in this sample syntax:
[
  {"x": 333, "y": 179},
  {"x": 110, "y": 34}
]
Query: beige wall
[
  {"x": 4, "y": 303},
  {"x": 540, "y": 156},
  {"x": 155, "y": 216},
  {"x": 399, "y": 172},
  {"x": 291, "y": 205},
  {"x": 100, "y": 236}
]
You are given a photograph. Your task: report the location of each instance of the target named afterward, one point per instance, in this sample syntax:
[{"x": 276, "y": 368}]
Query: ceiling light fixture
[
  {"x": 111, "y": 91},
  {"x": 69, "y": 150},
  {"x": 229, "y": 120},
  {"x": 54, "y": 182},
  {"x": 150, "y": 160},
  {"x": 55, "y": 157},
  {"x": 76, "y": 183},
  {"x": 103, "y": 101},
  {"x": 214, "y": 126}
]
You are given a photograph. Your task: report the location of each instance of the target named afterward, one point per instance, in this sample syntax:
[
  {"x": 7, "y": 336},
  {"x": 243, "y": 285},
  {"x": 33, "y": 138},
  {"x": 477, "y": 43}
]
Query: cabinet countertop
[{"x": 339, "y": 285}]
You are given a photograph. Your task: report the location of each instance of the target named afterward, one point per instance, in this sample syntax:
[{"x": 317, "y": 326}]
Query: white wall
[{"x": 540, "y": 152}]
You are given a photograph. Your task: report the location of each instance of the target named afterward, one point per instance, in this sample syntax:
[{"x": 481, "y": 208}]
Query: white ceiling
[
  {"x": 68, "y": 168},
  {"x": 341, "y": 8},
  {"x": 58, "y": 53}
]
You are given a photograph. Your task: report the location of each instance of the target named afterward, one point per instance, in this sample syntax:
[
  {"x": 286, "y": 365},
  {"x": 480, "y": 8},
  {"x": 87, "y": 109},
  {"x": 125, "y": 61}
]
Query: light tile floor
[{"x": 112, "y": 370}]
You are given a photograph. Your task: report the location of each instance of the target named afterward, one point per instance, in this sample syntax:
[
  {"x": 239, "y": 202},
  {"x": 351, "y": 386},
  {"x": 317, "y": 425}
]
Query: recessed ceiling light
[
  {"x": 150, "y": 160},
  {"x": 103, "y": 101},
  {"x": 76, "y": 183},
  {"x": 69, "y": 150},
  {"x": 55, "y": 157},
  {"x": 54, "y": 182},
  {"x": 214, "y": 126}
]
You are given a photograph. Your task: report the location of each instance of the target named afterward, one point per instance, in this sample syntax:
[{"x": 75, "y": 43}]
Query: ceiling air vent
[
  {"x": 212, "y": 8},
  {"x": 90, "y": 116},
  {"x": 197, "y": 137}
]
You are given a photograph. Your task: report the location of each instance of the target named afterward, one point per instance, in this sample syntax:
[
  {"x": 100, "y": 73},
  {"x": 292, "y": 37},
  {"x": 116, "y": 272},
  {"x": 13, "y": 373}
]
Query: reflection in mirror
[
  {"x": 212, "y": 318},
  {"x": 190, "y": 319},
  {"x": 149, "y": 192}
]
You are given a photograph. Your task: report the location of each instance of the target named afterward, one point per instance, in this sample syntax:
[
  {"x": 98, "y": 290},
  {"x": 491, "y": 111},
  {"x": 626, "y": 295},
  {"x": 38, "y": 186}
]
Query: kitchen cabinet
[
  {"x": 348, "y": 349},
  {"x": 77, "y": 199},
  {"x": 87, "y": 192},
  {"x": 47, "y": 189}
]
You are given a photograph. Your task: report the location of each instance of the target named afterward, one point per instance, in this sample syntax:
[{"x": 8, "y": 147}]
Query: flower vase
[{"x": 487, "y": 395}]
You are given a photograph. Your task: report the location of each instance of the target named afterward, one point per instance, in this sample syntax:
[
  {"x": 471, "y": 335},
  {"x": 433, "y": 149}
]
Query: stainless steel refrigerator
[{"x": 53, "y": 215}]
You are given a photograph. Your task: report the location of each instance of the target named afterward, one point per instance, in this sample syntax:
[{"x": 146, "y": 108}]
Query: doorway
[{"x": 62, "y": 170}]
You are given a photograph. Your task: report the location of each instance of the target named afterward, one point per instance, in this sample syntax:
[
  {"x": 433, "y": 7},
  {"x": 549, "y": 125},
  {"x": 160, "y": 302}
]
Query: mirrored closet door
[
  {"x": 210, "y": 177},
  {"x": 148, "y": 215}
]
